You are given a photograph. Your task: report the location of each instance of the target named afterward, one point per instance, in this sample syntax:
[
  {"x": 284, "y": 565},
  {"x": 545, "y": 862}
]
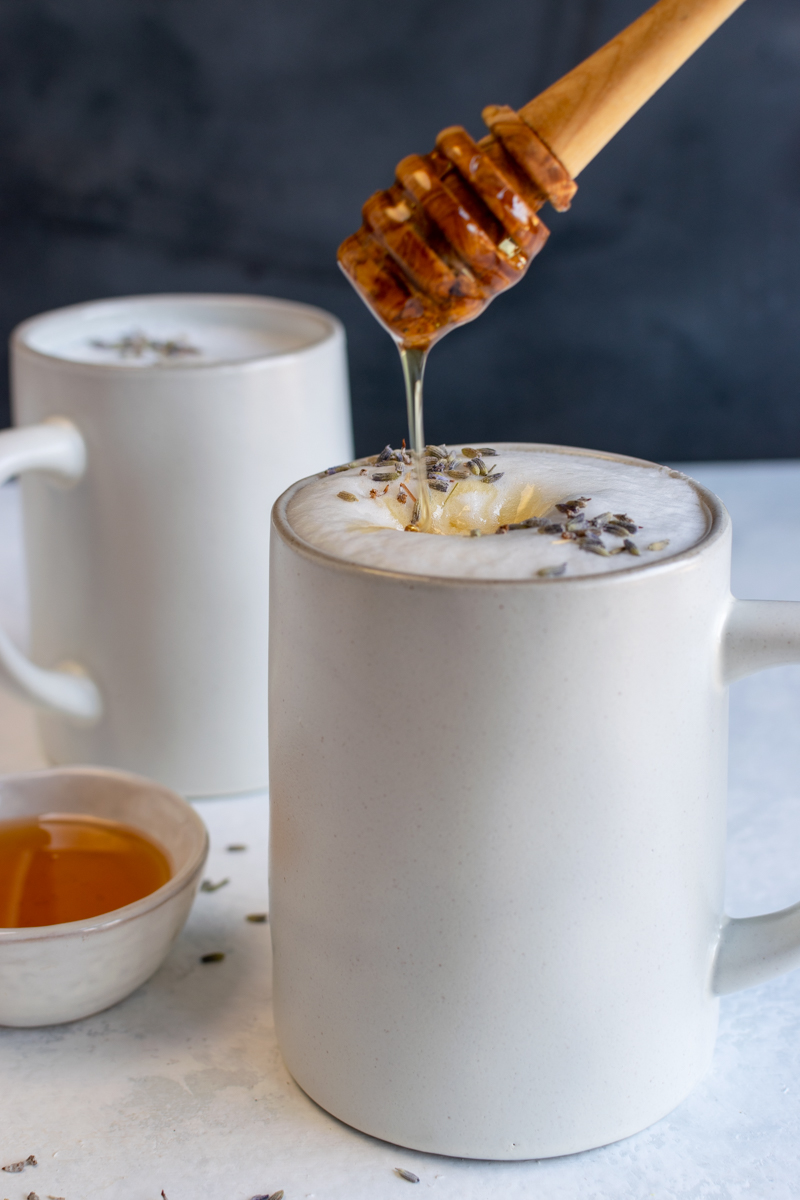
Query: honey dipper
[{"x": 459, "y": 225}]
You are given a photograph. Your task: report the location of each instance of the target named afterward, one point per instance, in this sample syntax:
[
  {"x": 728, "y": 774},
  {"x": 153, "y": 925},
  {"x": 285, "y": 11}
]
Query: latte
[{"x": 505, "y": 512}]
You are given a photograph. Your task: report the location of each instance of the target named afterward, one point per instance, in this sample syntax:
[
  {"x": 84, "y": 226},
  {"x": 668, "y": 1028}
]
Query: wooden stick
[{"x": 580, "y": 113}]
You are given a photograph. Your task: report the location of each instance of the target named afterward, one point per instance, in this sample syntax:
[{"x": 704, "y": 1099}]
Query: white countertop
[{"x": 181, "y": 1087}]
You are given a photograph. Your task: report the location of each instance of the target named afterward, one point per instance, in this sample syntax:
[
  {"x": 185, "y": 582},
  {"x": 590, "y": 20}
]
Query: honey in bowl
[{"x": 62, "y": 867}]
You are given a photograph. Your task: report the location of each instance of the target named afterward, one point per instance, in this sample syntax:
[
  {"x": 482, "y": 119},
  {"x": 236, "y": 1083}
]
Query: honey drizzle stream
[{"x": 414, "y": 360}]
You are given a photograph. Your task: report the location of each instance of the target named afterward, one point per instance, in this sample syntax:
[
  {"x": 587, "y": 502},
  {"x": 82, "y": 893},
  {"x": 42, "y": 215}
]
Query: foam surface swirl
[{"x": 368, "y": 526}]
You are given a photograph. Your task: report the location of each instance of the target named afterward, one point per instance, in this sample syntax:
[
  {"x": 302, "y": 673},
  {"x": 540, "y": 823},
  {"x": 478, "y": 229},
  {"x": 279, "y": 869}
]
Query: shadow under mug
[
  {"x": 497, "y": 841},
  {"x": 147, "y": 484}
]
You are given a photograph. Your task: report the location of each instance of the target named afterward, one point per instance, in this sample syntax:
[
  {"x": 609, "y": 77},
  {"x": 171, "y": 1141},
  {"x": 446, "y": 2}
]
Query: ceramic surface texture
[
  {"x": 497, "y": 843},
  {"x": 147, "y": 492},
  {"x": 56, "y": 973}
]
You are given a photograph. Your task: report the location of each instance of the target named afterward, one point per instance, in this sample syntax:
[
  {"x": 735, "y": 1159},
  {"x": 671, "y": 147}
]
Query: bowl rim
[{"x": 183, "y": 878}]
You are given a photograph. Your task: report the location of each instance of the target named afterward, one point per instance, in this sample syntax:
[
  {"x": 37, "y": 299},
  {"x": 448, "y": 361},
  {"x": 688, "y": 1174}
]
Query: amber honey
[{"x": 68, "y": 866}]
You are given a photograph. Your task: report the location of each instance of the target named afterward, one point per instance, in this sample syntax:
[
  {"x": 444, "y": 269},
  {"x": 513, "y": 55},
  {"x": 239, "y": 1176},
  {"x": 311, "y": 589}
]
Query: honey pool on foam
[{"x": 370, "y": 530}]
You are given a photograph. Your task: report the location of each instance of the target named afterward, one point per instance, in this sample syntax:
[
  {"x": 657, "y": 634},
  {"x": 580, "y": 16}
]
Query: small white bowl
[{"x": 56, "y": 973}]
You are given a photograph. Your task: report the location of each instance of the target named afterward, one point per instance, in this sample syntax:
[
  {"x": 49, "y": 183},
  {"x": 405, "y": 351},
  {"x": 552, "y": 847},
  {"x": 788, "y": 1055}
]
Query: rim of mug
[
  {"x": 182, "y": 878},
  {"x": 719, "y": 522},
  {"x": 20, "y": 345}
]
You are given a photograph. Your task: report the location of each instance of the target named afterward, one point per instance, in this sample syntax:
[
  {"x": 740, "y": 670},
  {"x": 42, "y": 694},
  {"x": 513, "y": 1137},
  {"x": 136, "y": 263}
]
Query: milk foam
[
  {"x": 176, "y": 331},
  {"x": 370, "y": 531},
  {"x": 200, "y": 343}
]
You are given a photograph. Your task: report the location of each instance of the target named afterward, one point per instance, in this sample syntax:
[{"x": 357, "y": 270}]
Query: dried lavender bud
[
  {"x": 487, "y": 451},
  {"x": 15, "y": 1168},
  {"x": 408, "y": 1175},
  {"x": 348, "y": 496},
  {"x": 549, "y": 572},
  {"x": 493, "y": 477},
  {"x": 631, "y": 547},
  {"x": 659, "y": 545},
  {"x": 216, "y": 956},
  {"x": 570, "y": 507},
  {"x": 257, "y": 918},
  {"x": 208, "y": 886},
  {"x": 383, "y": 476}
]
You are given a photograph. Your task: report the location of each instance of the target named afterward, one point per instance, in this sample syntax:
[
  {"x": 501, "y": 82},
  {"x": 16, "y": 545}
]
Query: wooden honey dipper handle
[{"x": 583, "y": 110}]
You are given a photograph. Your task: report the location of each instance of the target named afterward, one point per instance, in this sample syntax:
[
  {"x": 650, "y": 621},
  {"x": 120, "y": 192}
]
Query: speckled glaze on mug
[{"x": 497, "y": 842}]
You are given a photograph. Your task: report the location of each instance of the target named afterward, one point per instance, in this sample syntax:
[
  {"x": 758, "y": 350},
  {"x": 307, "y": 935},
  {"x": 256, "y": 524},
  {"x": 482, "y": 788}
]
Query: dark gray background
[{"x": 227, "y": 145}]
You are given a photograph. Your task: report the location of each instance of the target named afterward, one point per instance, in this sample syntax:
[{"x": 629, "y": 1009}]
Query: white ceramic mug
[
  {"x": 148, "y": 479},
  {"x": 497, "y": 845}
]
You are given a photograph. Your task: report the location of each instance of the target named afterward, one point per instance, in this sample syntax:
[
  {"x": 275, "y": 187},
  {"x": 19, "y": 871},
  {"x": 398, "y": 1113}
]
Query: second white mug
[{"x": 154, "y": 434}]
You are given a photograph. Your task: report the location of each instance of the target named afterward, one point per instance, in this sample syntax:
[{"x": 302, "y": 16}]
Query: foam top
[
  {"x": 623, "y": 513},
  {"x": 175, "y": 331},
  {"x": 166, "y": 343}
]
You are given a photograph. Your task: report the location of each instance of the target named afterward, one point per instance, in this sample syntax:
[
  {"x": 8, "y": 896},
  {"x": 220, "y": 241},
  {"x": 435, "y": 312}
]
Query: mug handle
[
  {"x": 758, "y": 634},
  {"x": 54, "y": 446}
]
